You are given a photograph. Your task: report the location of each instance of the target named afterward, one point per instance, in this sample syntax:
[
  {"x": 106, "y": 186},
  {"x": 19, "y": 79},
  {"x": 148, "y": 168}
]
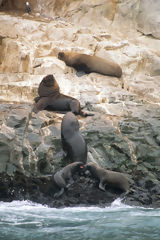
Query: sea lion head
[
  {"x": 48, "y": 80},
  {"x": 48, "y": 86},
  {"x": 61, "y": 55},
  {"x": 71, "y": 122},
  {"x": 90, "y": 165},
  {"x": 78, "y": 166}
]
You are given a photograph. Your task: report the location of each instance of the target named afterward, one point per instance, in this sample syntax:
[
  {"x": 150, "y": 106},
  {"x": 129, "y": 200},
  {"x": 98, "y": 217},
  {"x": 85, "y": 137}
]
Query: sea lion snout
[
  {"x": 80, "y": 166},
  {"x": 61, "y": 55}
]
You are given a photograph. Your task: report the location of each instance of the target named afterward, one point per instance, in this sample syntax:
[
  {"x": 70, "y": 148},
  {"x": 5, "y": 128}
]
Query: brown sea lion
[
  {"x": 73, "y": 143},
  {"x": 107, "y": 177},
  {"x": 88, "y": 64},
  {"x": 51, "y": 99},
  {"x": 64, "y": 177}
]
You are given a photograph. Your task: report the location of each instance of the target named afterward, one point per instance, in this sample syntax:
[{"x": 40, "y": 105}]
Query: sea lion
[
  {"x": 88, "y": 64},
  {"x": 51, "y": 99},
  {"x": 107, "y": 177},
  {"x": 64, "y": 177},
  {"x": 73, "y": 143}
]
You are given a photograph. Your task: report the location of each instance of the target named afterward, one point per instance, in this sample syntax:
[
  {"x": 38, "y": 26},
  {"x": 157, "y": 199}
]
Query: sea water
[{"x": 24, "y": 220}]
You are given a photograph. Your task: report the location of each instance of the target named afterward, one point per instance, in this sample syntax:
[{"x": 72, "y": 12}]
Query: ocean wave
[{"x": 117, "y": 204}]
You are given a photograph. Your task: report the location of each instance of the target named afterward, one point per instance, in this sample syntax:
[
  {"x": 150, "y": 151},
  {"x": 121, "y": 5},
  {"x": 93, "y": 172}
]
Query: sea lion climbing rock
[
  {"x": 51, "y": 99},
  {"x": 107, "y": 177},
  {"x": 88, "y": 64},
  {"x": 64, "y": 177},
  {"x": 73, "y": 143}
]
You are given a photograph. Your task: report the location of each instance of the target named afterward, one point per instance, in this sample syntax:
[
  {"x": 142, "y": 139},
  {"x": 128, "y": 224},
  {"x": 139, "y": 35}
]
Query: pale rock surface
[{"x": 148, "y": 18}]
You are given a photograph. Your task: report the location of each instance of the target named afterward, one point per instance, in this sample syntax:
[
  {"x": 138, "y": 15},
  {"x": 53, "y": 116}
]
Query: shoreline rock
[
  {"x": 30, "y": 143},
  {"x": 83, "y": 192}
]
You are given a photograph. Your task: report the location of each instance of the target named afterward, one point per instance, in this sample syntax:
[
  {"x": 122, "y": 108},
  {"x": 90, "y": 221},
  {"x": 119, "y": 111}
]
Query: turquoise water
[{"x": 23, "y": 220}]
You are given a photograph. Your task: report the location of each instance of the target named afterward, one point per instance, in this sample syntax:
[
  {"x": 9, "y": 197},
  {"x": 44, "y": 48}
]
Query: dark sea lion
[
  {"x": 73, "y": 143},
  {"x": 51, "y": 99},
  {"x": 88, "y": 64},
  {"x": 64, "y": 177},
  {"x": 107, "y": 177}
]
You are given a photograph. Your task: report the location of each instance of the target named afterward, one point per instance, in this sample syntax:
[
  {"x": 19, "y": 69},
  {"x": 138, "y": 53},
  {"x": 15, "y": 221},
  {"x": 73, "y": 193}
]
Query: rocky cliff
[{"x": 124, "y": 133}]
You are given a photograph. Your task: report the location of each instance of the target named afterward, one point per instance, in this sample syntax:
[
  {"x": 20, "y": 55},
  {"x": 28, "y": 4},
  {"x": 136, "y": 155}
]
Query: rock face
[
  {"x": 124, "y": 133},
  {"x": 148, "y": 18}
]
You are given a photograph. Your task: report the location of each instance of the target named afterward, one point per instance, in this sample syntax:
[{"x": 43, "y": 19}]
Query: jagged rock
[{"x": 30, "y": 144}]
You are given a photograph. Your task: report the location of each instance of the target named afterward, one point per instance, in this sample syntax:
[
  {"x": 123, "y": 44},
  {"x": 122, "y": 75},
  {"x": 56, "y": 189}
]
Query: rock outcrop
[{"x": 124, "y": 133}]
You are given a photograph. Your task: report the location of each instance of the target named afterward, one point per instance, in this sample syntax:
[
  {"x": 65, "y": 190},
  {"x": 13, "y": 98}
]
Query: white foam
[
  {"x": 117, "y": 203},
  {"x": 20, "y": 205}
]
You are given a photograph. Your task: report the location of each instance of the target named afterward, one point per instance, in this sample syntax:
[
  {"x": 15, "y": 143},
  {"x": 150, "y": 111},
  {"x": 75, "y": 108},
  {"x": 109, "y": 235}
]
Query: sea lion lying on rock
[
  {"x": 51, "y": 99},
  {"x": 107, "y": 177},
  {"x": 88, "y": 64},
  {"x": 64, "y": 177},
  {"x": 73, "y": 143}
]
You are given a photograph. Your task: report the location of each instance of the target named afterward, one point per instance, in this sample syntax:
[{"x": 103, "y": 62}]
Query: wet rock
[{"x": 30, "y": 146}]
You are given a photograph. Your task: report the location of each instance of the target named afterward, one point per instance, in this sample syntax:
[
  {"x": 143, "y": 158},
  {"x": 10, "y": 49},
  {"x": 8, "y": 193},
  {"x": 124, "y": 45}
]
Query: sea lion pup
[
  {"x": 64, "y": 177},
  {"x": 88, "y": 64},
  {"x": 51, "y": 99},
  {"x": 73, "y": 143},
  {"x": 107, "y": 177}
]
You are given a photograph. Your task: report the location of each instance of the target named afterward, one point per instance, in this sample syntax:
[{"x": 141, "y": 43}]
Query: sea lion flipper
[
  {"x": 102, "y": 186},
  {"x": 42, "y": 103},
  {"x": 88, "y": 114},
  {"x": 71, "y": 181},
  {"x": 58, "y": 194},
  {"x": 60, "y": 181},
  {"x": 74, "y": 106},
  {"x": 124, "y": 194},
  {"x": 76, "y": 109},
  {"x": 36, "y": 99}
]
